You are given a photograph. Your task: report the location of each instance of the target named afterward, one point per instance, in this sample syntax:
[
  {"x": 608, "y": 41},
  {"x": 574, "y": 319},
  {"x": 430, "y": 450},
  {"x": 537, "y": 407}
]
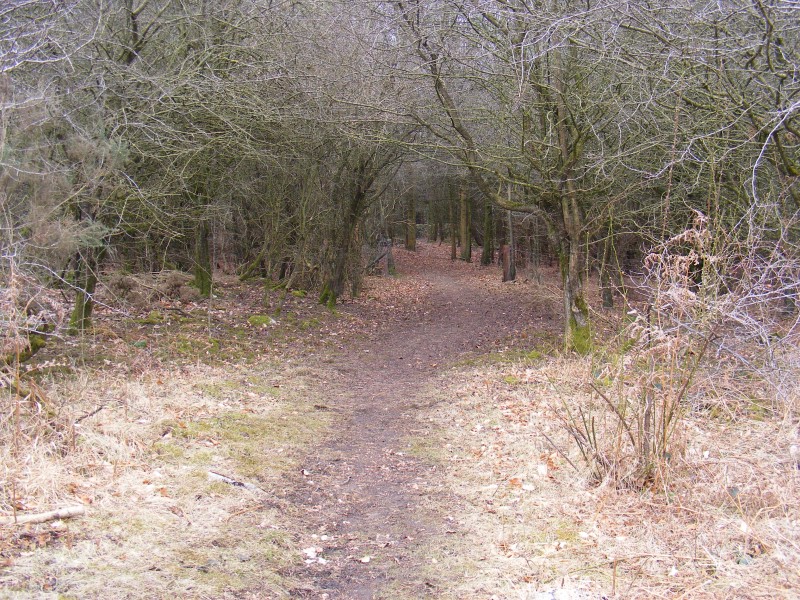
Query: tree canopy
[{"x": 281, "y": 137}]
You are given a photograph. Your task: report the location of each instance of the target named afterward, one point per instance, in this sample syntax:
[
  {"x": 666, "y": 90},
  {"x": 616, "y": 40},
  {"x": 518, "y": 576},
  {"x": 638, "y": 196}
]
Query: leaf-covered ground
[{"x": 260, "y": 446}]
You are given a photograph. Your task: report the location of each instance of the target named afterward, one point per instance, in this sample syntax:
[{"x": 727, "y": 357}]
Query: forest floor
[{"x": 394, "y": 448}]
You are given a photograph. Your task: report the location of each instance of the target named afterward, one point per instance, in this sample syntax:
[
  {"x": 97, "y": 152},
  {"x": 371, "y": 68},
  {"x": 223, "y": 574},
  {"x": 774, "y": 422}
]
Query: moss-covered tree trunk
[
  {"x": 577, "y": 332},
  {"x": 202, "y": 259},
  {"x": 487, "y": 252},
  {"x": 86, "y": 263}
]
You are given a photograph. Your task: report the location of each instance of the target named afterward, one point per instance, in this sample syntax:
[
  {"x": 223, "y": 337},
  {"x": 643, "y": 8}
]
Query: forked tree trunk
[
  {"x": 334, "y": 286},
  {"x": 577, "y": 333}
]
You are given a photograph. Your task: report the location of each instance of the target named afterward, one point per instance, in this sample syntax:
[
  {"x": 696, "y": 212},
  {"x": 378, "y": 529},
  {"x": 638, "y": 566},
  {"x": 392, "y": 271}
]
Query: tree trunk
[
  {"x": 390, "y": 267},
  {"x": 466, "y": 234},
  {"x": 453, "y": 237},
  {"x": 87, "y": 262},
  {"x": 353, "y": 268},
  {"x": 334, "y": 286},
  {"x": 509, "y": 252},
  {"x": 411, "y": 224},
  {"x": 577, "y": 334},
  {"x": 337, "y": 280},
  {"x": 487, "y": 253},
  {"x": 254, "y": 266},
  {"x": 202, "y": 260},
  {"x": 536, "y": 253},
  {"x": 357, "y": 192},
  {"x": 606, "y": 290}
]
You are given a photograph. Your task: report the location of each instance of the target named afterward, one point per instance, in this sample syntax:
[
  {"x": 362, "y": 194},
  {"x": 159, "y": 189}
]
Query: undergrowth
[
  {"x": 700, "y": 325},
  {"x": 127, "y": 421}
]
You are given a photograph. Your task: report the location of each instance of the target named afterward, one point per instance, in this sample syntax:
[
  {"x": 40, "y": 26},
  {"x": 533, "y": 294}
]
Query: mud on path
[{"x": 362, "y": 496}]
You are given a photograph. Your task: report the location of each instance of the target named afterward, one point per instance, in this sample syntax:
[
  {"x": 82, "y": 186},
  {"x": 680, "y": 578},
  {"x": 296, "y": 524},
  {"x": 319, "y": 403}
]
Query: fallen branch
[
  {"x": 89, "y": 414},
  {"x": 61, "y": 513},
  {"x": 376, "y": 260},
  {"x": 229, "y": 481}
]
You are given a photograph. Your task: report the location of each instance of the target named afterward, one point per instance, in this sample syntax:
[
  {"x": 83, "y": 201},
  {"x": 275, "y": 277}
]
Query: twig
[
  {"x": 61, "y": 513},
  {"x": 244, "y": 511},
  {"x": 233, "y": 482},
  {"x": 599, "y": 565},
  {"x": 557, "y": 449},
  {"x": 89, "y": 414},
  {"x": 616, "y": 411}
]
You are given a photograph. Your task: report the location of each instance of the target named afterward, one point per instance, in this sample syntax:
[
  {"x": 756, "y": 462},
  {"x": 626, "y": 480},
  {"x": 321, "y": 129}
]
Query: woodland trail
[{"x": 364, "y": 497}]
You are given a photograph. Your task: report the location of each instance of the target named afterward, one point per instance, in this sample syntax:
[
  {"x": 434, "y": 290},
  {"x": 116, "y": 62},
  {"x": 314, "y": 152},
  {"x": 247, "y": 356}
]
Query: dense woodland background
[{"x": 282, "y": 138}]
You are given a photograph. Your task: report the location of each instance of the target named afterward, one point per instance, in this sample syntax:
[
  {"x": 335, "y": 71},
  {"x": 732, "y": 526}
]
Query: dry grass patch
[
  {"x": 136, "y": 453},
  {"x": 721, "y": 522}
]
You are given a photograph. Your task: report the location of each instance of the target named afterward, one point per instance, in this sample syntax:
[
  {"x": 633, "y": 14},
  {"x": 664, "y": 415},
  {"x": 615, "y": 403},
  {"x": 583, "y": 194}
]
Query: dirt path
[{"x": 362, "y": 495}]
